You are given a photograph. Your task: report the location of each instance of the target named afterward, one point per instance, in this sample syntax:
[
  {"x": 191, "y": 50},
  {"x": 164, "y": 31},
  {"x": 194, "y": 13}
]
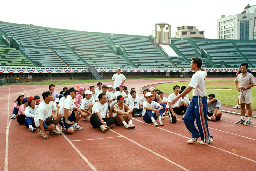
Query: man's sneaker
[
  {"x": 241, "y": 121},
  {"x": 13, "y": 116},
  {"x": 78, "y": 128},
  {"x": 55, "y": 131},
  {"x": 210, "y": 140},
  {"x": 131, "y": 126},
  {"x": 237, "y": 106},
  {"x": 155, "y": 124},
  {"x": 161, "y": 123},
  {"x": 127, "y": 126},
  {"x": 84, "y": 119},
  {"x": 63, "y": 129},
  {"x": 103, "y": 128},
  {"x": 247, "y": 123},
  {"x": 32, "y": 129},
  {"x": 192, "y": 140}
]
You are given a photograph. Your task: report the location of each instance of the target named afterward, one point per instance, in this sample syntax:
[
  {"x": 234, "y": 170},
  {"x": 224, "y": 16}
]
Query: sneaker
[
  {"x": 84, "y": 119},
  {"x": 136, "y": 115},
  {"x": 241, "y": 121},
  {"x": 63, "y": 129},
  {"x": 161, "y": 123},
  {"x": 78, "y": 128},
  {"x": 32, "y": 129},
  {"x": 103, "y": 128},
  {"x": 55, "y": 131},
  {"x": 237, "y": 106},
  {"x": 127, "y": 126},
  {"x": 131, "y": 126},
  {"x": 13, "y": 116},
  {"x": 210, "y": 140},
  {"x": 155, "y": 124},
  {"x": 247, "y": 123},
  {"x": 192, "y": 140}
]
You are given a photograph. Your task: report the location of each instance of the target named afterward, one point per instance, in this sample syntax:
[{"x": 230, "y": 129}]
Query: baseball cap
[
  {"x": 87, "y": 92},
  {"x": 109, "y": 86},
  {"x": 121, "y": 85},
  {"x": 26, "y": 99},
  {"x": 148, "y": 94},
  {"x": 81, "y": 89},
  {"x": 72, "y": 89},
  {"x": 21, "y": 94},
  {"x": 30, "y": 98},
  {"x": 104, "y": 86},
  {"x": 151, "y": 89},
  {"x": 37, "y": 98}
]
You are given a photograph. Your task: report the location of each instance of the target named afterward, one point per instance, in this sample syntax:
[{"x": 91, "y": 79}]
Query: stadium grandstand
[{"x": 33, "y": 49}]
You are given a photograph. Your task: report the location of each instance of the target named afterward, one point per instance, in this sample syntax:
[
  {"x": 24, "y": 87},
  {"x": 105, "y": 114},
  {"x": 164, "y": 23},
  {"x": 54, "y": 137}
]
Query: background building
[
  {"x": 189, "y": 32},
  {"x": 240, "y": 26}
]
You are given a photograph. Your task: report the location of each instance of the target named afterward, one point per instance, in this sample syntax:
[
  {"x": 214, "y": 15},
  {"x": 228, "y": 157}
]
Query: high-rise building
[{"x": 240, "y": 26}]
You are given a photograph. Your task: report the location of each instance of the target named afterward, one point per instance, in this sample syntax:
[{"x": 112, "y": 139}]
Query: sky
[{"x": 134, "y": 17}]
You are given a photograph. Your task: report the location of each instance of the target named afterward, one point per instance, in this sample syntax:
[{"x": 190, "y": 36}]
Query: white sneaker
[
  {"x": 131, "y": 126},
  {"x": 237, "y": 106},
  {"x": 78, "y": 128},
  {"x": 103, "y": 128},
  {"x": 127, "y": 126},
  {"x": 13, "y": 116},
  {"x": 32, "y": 129},
  {"x": 55, "y": 131},
  {"x": 161, "y": 123},
  {"x": 192, "y": 140},
  {"x": 155, "y": 124},
  {"x": 210, "y": 140}
]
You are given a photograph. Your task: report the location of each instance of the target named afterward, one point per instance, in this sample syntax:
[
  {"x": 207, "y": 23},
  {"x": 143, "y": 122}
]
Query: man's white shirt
[
  {"x": 67, "y": 104},
  {"x": 118, "y": 79},
  {"x": 85, "y": 104},
  {"x": 44, "y": 111},
  {"x": 101, "y": 108},
  {"x": 198, "y": 83},
  {"x": 133, "y": 102},
  {"x": 153, "y": 105},
  {"x": 177, "y": 103}
]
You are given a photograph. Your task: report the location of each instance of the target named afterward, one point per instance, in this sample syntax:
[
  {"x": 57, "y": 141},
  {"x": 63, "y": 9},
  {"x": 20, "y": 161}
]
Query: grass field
[{"x": 224, "y": 91}]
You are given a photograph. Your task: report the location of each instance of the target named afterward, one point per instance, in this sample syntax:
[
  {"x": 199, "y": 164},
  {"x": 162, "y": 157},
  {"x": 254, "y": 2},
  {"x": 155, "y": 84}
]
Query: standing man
[
  {"x": 118, "y": 78},
  {"x": 197, "y": 109},
  {"x": 246, "y": 82}
]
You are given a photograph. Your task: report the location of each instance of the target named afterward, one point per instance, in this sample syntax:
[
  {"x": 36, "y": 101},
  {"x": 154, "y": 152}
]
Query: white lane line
[
  {"x": 7, "y": 134},
  {"x": 208, "y": 144},
  {"x": 83, "y": 157},
  {"x": 183, "y": 168}
]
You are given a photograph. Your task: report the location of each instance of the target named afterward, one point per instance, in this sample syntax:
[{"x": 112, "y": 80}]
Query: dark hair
[
  {"x": 117, "y": 89},
  {"x": 197, "y": 61},
  {"x": 147, "y": 89},
  {"x": 46, "y": 94},
  {"x": 132, "y": 88},
  {"x": 19, "y": 101},
  {"x": 29, "y": 103},
  {"x": 101, "y": 95},
  {"x": 160, "y": 92},
  {"x": 183, "y": 88},
  {"x": 99, "y": 83},
  {"x": 175, "y": 87},
  {"x": 133, "y": 91},
  {"x": 119, "y": 97},
  {"x": 211, "y": 95},
  {"x": 244, "y": 64},
  {"x": 91, "y": 87},
  {"x": 51, "y": 85},
  {"x": 125, "y": 88}
]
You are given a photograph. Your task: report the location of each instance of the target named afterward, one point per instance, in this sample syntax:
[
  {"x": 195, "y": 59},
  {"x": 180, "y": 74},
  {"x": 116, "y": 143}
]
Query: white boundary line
[
  {"x": 7, "y": 135},
  {"x": 81, "y": 155},
  {"x": 183, "y": 168},
  {"x": 207, "y": 144}
]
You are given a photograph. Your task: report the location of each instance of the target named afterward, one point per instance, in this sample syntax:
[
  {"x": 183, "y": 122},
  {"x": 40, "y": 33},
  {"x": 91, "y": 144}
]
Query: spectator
[
  {"x": 21, "y": 113},
  {"x": 30, "y": 112},
  {"x": 55, "y": 95},
  {"x": 214, "y": 113},
  {"x": 135, "y": 104},
  {"x": 17, "y": 104}
]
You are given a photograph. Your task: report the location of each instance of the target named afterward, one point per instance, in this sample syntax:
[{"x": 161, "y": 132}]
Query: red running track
[{"x": 144, "y": 148}]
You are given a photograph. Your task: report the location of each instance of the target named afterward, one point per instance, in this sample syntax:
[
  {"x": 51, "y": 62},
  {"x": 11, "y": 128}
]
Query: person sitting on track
[
  {"x": 134, "y": 103},
  {"x": 98, "y": 90},
  {"x": 55, "y": 95},
  {"x": 123, "y": 113},
  {"x": 94, "y": 94},
  {"x": 244, "y": 82},
  {"x": 119, "y": 91},
  {"x": 37, "y": 100},
  {"x": 99, "y": 117},
  {"x": 30, "y": 112},
  {"x": 179, "y": 107},
  {"x": 17, "y": 104},
  {"x": 110, "y": 90},
  {"x": 157, "y": 99},
  {"x": 143, "y": 98},
  {"x": 71, "y": 114},
  {"x": 79, "y": 97},
  {"x": 47, "y": 110},
  {"x": 108, "y": 94},
  {"x": 214, "y": 113},
  {"x": 165, "y": 101},
  {"x": 151, "y": 110},
  {"x": 87, "y": 104},
  {"x": 21, "y": 113}
]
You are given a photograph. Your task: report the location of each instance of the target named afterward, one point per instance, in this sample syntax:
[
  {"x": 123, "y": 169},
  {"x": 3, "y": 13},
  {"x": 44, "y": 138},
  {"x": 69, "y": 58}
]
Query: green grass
[{"x": 227, "y": 97}]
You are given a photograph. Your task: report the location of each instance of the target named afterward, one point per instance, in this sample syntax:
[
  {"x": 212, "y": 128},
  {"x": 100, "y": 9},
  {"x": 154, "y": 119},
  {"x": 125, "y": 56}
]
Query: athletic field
[{"x": 143, "y": 148}]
